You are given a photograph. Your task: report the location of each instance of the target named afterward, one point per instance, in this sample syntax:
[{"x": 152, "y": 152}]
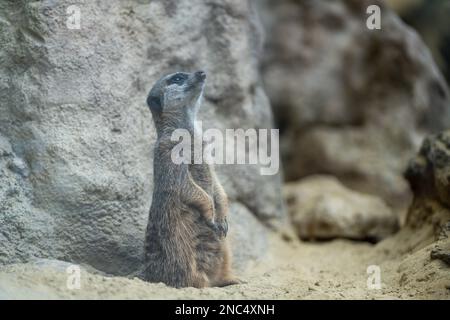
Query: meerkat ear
[{"x": 154, "y": 103}]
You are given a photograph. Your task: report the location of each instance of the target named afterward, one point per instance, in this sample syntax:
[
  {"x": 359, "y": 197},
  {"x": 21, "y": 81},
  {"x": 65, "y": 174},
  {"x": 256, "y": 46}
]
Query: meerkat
[{"x": 186, "y": 244}]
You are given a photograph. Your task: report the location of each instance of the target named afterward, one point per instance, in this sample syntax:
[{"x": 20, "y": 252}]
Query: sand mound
[{"x": 291, "y": 270}]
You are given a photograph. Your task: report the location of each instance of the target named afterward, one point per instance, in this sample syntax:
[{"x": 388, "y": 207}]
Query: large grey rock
[
  {"x": 246, "y": 234},
  {"x": 77, "y": 137},
  {"x": 322, "y": 208},
  {"x": 355, "y": 102}
]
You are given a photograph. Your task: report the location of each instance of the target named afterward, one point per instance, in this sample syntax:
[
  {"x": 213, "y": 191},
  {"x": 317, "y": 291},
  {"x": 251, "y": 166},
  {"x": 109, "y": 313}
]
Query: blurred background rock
[
  {"x": 431, "y": 19},
  {"x": 351, "y": 102}
]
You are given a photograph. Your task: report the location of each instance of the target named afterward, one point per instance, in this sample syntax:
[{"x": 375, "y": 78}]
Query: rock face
[
  {"x": 322, "y": 208},
  {"x": 355, "y": 102},
  {"x": 76, "y": 136}
]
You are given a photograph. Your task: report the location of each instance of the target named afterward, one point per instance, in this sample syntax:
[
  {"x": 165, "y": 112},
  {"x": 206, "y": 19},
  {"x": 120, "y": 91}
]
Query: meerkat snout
[{"x": 201, "y": 74}]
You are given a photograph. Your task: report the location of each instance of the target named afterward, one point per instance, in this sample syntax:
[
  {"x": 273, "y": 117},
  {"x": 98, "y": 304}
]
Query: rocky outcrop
[
  {"x": 322, "y": 208},
  {"x": 441, "y": 249},
  {"x": 429, "y": 176},
  {"x": 355, "y": 102},
  {"x": 77, "y": 136}
]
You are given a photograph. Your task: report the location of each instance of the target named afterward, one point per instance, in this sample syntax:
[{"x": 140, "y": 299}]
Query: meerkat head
[{"x": 177, "y": 92}]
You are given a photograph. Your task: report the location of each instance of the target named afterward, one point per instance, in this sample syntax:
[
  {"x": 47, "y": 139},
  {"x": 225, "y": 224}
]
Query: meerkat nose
[{"x": 201, "y": 74}]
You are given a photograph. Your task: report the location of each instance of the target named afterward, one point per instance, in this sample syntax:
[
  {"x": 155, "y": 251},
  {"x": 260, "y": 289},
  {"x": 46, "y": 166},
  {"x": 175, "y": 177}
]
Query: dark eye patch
[{"x": 178, "y": 78}]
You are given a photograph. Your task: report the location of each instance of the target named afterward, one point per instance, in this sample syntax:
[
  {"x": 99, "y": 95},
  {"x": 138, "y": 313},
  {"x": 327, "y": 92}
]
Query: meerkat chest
[{"x": 201, "y": 174}]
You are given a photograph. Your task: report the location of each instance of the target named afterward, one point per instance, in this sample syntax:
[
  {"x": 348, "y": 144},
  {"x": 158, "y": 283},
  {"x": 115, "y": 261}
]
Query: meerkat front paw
[
  {"x": 222, "y": 227},
  {"x": 212, "y": 224},
  {"x": 219, "y": 226}
]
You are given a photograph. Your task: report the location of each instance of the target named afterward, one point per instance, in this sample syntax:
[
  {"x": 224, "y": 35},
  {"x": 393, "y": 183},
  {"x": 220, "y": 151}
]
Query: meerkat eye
[{"x": 177, "y": 79}]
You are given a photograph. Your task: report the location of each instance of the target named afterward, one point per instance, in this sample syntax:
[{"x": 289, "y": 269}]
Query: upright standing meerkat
[{"x": 186, "y": 243}]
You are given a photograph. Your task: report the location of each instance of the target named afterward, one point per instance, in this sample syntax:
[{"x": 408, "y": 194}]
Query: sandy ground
[{"x": 291, "y": 270}]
